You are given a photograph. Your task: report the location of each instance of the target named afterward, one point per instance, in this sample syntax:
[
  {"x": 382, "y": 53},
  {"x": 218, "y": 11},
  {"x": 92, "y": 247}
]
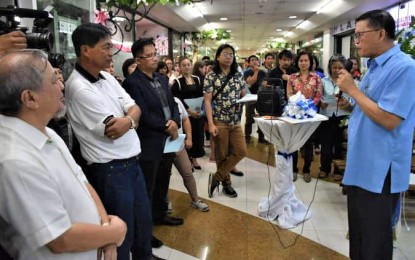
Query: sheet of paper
[
  {"x": 194, "y": 103},
  {"x": 248, "y": 98},
  {"x": 175, "y": 145}
]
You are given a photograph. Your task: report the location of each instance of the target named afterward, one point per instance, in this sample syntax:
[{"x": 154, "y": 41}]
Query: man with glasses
[
  {"x": 159, "y": 120},
  {"x": 104, "y": 118},
  {"x": 381, "y": 126}
]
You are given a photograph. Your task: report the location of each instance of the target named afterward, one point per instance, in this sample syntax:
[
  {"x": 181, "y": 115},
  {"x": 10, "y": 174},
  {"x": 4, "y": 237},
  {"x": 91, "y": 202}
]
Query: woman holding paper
[
  {"x": 309, "y": 84},
  {"x": 188, "y": 89}
]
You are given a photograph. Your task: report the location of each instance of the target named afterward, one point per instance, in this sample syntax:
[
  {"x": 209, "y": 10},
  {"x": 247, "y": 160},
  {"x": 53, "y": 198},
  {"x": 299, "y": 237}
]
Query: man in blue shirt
[{"x": 381, "y": 130}]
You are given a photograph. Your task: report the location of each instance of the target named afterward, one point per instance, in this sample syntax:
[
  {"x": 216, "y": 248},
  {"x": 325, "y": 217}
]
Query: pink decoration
[
  {"x": 122, "y": 47},
  {"x": 101, "y": 17}
]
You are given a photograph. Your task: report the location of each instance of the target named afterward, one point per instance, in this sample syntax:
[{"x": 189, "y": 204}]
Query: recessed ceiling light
[
  {"x": 271, "y": 37},
  {"x": 223, "y": 18},
  {"x": 228, "y": 30},
  {"x": 279, "y": 30},
  {"x": 292, "y": 16}
]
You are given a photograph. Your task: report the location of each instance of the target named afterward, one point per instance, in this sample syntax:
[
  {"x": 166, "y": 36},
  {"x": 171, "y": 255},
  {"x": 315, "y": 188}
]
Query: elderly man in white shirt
[{"x": 48, "y": 210}]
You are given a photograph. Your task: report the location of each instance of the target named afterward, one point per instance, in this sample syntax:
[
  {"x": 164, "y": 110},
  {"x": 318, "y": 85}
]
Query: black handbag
[{"x": 271, "y": 97}]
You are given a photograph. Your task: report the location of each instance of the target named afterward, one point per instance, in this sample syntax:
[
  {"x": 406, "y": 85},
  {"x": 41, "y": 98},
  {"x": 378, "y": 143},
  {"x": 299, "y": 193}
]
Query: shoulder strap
[{"x": 222, "y": 87}]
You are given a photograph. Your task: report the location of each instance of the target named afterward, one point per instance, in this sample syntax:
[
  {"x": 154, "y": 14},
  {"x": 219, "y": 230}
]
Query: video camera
[{"x": 40, "y": 37}]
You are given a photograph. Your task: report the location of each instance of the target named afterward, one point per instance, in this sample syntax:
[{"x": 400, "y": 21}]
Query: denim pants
[{"x": 120, "y": 185}]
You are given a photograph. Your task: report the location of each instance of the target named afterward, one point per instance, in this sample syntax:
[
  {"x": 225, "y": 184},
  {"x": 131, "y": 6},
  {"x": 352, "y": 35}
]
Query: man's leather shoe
[
  {"x": 229, "y": 191},
  {"x": 169, "y": 221},
  {"x": 213, "y": 183},
  {"x": 155, "y": 242},
  {"x": 240, "y": 174}
]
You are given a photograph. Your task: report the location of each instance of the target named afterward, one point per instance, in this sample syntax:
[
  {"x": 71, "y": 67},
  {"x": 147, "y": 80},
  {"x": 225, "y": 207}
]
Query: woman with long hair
[
  {"x": 309, "y": 84},
  {"x": 188, "y": 86},
  {"x": 223, "y": 87}
]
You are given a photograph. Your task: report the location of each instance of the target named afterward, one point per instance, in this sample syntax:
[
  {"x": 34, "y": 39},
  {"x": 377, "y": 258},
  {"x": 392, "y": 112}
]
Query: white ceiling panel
[{"x": 253, "y": 22}]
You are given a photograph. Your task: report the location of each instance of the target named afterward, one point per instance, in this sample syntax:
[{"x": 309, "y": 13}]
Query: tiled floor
[{"x": 327, "y": 226}]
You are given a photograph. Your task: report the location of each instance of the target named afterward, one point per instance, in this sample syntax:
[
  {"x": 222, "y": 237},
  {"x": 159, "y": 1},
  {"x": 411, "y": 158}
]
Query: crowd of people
[{"x": 99, "y": 182}]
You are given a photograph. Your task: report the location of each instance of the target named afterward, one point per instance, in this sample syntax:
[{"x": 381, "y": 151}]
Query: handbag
[{"x": 203, "y": 108}]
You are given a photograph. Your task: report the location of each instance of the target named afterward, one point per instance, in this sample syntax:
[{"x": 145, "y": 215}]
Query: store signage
[
  {"x": 344, "y": 27},
  {"x": 67, "y": 26},
  {"x": 402, "y": 14}
]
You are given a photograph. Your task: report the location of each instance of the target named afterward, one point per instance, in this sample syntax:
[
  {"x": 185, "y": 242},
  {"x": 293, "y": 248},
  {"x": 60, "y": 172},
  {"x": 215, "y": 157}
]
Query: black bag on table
[{"x": 271, "y": 97}]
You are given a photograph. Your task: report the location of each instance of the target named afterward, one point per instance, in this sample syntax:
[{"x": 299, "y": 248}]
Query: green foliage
[
  {"x": 216, "y": 35},
  {"x": 406, "y": 38},
  {"x": 279, "y": 45}
]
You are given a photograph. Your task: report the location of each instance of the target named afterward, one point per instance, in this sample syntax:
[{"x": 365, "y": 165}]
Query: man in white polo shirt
[
  {"x": 48, "y": 210},
  {"x": 104, "y": 119}
]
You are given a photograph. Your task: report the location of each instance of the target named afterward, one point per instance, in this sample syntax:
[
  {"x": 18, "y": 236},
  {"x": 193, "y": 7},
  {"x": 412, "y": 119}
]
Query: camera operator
[{"x": 12, "y": 41}]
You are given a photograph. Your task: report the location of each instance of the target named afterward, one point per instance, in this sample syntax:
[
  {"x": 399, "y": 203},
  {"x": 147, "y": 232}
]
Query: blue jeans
[{"x": 120, "y": 185}]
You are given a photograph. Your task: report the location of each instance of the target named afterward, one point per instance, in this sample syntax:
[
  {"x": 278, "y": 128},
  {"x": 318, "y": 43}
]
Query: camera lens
[{"x": 42, "y": 41}]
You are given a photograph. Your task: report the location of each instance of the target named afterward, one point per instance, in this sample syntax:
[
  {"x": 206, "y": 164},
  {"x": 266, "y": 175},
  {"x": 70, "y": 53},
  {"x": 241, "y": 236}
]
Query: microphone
[
  {"x": 348, "y": 66},
  {"x": 24, "y": 12}
]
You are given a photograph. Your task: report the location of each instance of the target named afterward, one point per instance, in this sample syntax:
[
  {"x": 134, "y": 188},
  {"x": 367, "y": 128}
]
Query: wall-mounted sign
[
  {"x": 402, "y": 14},
  {"x": 67, "y": 25},
  {"x": 344, "y": 27}
]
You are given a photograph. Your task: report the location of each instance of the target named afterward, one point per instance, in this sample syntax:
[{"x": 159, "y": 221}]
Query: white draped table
[{"x": 288, "y": 135}]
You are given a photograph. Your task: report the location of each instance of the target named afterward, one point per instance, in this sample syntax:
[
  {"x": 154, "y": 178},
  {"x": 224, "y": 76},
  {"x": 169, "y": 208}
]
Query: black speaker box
[{"x": 271, "y": 98}]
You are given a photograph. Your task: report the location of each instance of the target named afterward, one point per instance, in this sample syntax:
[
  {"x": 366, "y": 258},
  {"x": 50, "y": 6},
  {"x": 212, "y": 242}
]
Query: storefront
[{"x": 343, "y": 39}]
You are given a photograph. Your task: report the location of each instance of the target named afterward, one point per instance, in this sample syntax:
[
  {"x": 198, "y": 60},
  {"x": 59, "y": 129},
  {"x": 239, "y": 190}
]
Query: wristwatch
[{"x": 132, "y": 122}]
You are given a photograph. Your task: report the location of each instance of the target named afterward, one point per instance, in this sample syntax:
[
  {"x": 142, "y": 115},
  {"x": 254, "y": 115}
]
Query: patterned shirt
[
  {"x": 311, "y": 88},
  {"x": 225, "y": 109}
]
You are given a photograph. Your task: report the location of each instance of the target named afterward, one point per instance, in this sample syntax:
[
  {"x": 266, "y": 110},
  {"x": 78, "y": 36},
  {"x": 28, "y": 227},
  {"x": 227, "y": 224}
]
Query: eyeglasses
[
  {"x": 358, "y": 35},
  {"x": 150, "y": 56},
  {"x": 229, "y": 55}
]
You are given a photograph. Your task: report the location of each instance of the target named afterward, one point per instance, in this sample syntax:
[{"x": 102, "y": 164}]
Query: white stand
[{"x": 288, "y": 135}]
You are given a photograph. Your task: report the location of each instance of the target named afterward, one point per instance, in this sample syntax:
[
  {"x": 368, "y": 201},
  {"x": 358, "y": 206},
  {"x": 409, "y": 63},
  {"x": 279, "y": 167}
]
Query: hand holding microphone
[{"x": 348, "y": 66}]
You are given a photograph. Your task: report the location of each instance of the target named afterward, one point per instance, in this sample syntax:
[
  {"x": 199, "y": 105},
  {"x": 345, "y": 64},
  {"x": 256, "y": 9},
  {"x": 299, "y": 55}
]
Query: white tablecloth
[{"x": 288, "y": 135}]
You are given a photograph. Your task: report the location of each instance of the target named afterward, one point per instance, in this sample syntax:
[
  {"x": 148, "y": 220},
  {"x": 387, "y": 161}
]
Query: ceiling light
[
  {"x": 229, "y": 31},
  {"x": 223, "y": 18},
  {"x": 292, "y": 16},
  {"x": 279, "y": 30}
]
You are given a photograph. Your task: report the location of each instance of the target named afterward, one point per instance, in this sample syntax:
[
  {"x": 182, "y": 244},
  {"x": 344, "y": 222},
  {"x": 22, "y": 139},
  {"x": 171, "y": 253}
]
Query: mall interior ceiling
[{"x": 254, "y": 23}]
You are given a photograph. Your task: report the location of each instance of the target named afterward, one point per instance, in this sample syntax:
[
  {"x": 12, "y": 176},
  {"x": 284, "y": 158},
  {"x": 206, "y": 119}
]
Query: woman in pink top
[{"x": 309, "y": 84}]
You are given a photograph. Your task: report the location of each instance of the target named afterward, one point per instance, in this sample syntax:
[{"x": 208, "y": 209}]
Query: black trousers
[
  {"x": 159, "y": 203},
  {"x": 370, "y": 222}
]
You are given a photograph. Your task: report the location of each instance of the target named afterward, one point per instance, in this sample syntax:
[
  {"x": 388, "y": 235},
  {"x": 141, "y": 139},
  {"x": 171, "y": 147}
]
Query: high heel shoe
[
  {"x": 197, "y": 167},
  {"x": 213, "y": 183}
]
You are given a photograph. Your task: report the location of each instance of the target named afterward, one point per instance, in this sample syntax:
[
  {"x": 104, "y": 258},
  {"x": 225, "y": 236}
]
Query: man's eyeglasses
[
  {"x": 358, "y": 35},
  {"x": 229, "y": 55},
  {"x": 150, "y": 56}
]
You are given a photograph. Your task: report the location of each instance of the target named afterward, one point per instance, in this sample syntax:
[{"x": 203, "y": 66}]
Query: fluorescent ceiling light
[
  {"x": 292, "y": 16},
  {"x": 279, "y": 30},
  {"x": 229, "y": 31},
  {"x": 223, "y": 18}
]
